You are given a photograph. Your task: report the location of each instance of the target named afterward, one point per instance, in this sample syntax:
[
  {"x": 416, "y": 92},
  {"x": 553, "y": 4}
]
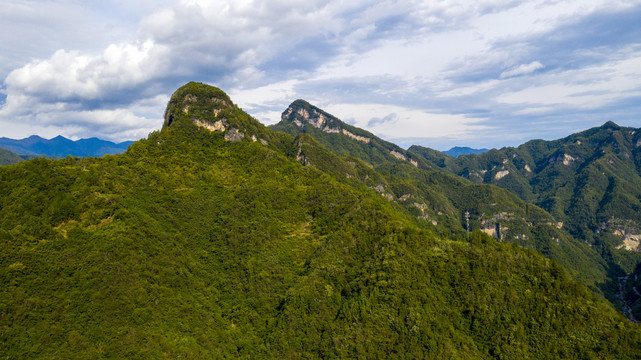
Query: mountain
[
  {"x": 217, "y": 237},
  {"x": 343, "y": 139},
  {"x": 458, "y": 151},
  {"x": 8, "y": 157},
  {"x": 439, "y": 200},
  {"x": 589, "y": 181},
  {"x": 61, "y": 146}
]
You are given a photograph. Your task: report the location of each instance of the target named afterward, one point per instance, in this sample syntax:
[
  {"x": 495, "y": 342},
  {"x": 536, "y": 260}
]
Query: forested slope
[
  {"x": 211, "y": 239},
  {"x": 440, "y": 199}
]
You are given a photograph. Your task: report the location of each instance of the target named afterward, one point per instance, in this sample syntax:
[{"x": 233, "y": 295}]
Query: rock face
[
  {"x": 501, "y": 174},
  {"x": 234, "y": 135}
]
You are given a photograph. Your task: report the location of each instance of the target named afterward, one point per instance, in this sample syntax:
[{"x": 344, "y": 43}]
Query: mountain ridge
[
  {"x": 457, "y": 151},
  {"x": 604, "y": 160},
  {"x": 8, "y": 157},
  {"x": 590, "y": 181},
  {"x": 439, "y": 199},
  {"x": 303, "y": 117},
  {"x": 60, "y": 146}
]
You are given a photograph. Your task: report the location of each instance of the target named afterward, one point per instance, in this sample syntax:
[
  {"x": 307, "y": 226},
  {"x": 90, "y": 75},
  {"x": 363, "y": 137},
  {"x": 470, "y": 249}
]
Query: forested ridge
[
  {"x": 217, "y": 237},
  {"x": 419, "y": 184},
  {"x": 589, "y": 181}
]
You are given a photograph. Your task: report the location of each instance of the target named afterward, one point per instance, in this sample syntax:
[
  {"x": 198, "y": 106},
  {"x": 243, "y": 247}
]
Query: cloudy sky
[{"x": 485, "y": 73}]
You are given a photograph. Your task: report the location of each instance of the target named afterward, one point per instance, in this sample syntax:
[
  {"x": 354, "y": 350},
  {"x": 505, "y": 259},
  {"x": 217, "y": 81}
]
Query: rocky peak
[
  {"x": 196, "y": 102},
  {"x": 208, "y": 107},
  {"x": 301, "y": 113}
]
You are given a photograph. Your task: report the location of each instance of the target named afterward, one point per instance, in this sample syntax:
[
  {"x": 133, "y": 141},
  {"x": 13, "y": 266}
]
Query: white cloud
[
  {"x": 522, "y": 69},
  {"x": 70, "y": 76},
  {"x": 586, "y": 88},
  {"x": 265, "y": 103},
  {"x": 406, "y": 122}
]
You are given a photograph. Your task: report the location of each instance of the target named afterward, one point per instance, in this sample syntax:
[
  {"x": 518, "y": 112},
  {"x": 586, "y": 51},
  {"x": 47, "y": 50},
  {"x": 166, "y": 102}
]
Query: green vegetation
[
  {"x": 193, "y": 244},
  {"x": 439, "y": 199},
  {"x": 631, "y": 292},
  {"x": 590, "y": 182},
  {"x": 9, "y": 157}
]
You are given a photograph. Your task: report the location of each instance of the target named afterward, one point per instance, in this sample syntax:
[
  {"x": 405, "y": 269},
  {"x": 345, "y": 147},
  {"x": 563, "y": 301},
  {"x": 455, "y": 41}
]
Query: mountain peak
[
  {"x": 208, "y": 107},
  {"x": 300, "y": 112},
  {"x": 464, "y": 150},
  {"x": 610, "y": 125},
  {"x": 196, "y": 101}
]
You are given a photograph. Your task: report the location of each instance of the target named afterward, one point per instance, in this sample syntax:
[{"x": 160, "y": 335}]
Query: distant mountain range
[
  {"x": 463, "y": 150},
  {"x": 61, "y": 146}
]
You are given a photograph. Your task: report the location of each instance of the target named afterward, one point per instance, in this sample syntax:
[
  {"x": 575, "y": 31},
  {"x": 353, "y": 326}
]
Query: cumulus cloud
[
  {"x": 231, "y": 44},
  {"x": 69, "y": 77}
]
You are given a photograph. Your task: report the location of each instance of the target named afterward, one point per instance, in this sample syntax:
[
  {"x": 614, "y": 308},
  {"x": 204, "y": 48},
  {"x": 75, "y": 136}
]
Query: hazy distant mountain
[
  {"x": 464, "y": 150},
  {"x": 61, "y": 146}
]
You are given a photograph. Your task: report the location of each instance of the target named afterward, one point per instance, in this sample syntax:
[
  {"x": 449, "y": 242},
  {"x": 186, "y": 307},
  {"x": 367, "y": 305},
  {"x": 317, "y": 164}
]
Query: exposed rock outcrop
[{"x": 301, "y": 112}]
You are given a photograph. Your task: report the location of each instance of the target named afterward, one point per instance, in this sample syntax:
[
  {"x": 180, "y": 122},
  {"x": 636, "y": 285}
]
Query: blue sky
[{"x": 485, "y": 73}]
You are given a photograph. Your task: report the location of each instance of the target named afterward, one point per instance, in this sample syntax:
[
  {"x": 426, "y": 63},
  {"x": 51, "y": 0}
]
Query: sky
[{"x": 484, "y": 74}]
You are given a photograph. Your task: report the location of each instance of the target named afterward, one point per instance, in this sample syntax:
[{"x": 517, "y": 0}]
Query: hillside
[
  {"x": 631, "y": 294},
  {"x": 589, "y": 181},
  {"x": 60, "y": 146},
  {"x": 212, "y": 239},
  {"x": 439, "y": 200},
  {"x": 9, "y": 157}
]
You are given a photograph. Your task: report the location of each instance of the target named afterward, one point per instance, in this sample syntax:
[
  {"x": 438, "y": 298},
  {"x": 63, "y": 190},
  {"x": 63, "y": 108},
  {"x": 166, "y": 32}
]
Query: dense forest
[
  {"x": 417, "y": 180},
  {"x": 218, "y": 237},
  {"x": 590, "y": 182}
]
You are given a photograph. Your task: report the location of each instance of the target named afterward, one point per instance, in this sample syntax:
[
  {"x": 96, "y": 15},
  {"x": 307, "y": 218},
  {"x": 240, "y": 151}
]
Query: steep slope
[
  {"x": 439, "y": 200},
  {"x": 590, "y": 182},
  {"x": 631, "y": 293},
  {"x": 202, "y": 243},
  {"x": 61, "y": 146},
  {"x": 336, "y": 135}
]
